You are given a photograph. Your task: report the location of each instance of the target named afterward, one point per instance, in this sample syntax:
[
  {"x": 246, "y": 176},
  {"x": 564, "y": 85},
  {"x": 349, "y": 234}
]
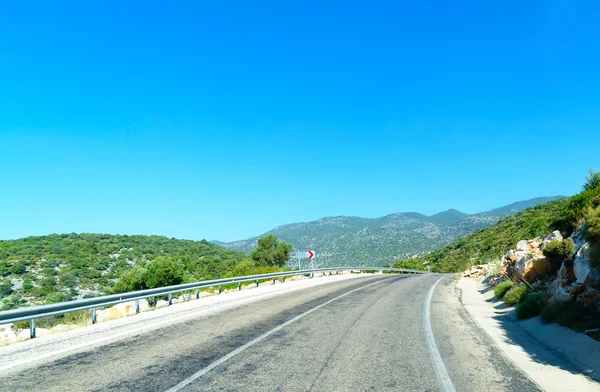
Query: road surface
[{"x": 363, "y": 334}]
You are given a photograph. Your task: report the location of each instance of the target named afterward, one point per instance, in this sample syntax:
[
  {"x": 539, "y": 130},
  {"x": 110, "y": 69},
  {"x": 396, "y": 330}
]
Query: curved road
[{"x": 362, "y": 334}]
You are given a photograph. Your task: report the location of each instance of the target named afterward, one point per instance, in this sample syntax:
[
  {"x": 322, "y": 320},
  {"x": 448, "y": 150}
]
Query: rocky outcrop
[{"x": 576, "y": 279}]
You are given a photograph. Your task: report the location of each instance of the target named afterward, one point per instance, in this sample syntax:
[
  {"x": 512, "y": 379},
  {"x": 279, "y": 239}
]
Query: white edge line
[
  {"x": 153, "y": 326},
  {"x": 238, "y": 350},
  {"x": 444, "y": 381}
]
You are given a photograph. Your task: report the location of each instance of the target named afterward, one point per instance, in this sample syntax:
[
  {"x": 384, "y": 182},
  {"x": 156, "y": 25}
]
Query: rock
[
  {"x": 522, "y": 245},
  {"x": 578, "y": 240},
  {"x": 8, "y": 333},
  {"x": 102, "y": 315},
  {"x": 144, "y": 305},
  {"x": 561, "y": 294},
  {"x": 534, "y": 244},
  {"x": 554, "y": 236},
  {"x": 563, "y": 272},
  {"x": 125, "y": 309},
  {"x": 517, "y": 255},
  {"x": 593, "y": 279},
  {"x": 544, "y": 244},
  {"x": 114, "y": 313},
  {"x": 162, "y": 304},
  {"x": 535, "y": 267},
  {"x": 23, "y": 334},
  {"x": 520, "y": 265},
  {"x": 581, "y": 265},
  {"x": 588, "y": 296}
]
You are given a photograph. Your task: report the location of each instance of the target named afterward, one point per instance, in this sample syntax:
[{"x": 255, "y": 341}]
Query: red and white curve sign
[{"x": 310, "y": 254}]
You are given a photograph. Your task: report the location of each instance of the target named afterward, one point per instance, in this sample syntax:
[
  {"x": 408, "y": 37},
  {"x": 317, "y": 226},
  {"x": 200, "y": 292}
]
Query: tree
[{"x": 271, "y": 251}]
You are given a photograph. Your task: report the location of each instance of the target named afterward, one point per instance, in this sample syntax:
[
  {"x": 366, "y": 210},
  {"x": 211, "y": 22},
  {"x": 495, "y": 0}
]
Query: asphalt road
[{"x": 364, "y": 334}]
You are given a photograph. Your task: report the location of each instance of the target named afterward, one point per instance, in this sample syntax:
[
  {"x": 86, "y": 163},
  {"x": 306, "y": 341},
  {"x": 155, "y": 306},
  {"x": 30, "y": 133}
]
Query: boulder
[
  {"x": 522, "y": 245},
  {"x": 534, "y": 244},
  {"x": 563, "y": 272},
  {"x": 517, "y": 255},
  {"x": 114, "y": 313},
  {"x": 561, "y": 294},
  {"x": 144, "y": 305},
  {"x": 581, "y": 265},
  {"x": 162, "y": 304},
  {"x": 578, "y": 240},
  {"x": 8, "y": 333},
  {"x": 520, "y": 264},
  {"x": 543, "y": 245},
  {"x": 593, "y": 279},
  {"x": 589, "y": 296},
  {"x": 554, "y": 236},
  {"x": 125, "y": 309},
  {"x": 535, "y": 267}
]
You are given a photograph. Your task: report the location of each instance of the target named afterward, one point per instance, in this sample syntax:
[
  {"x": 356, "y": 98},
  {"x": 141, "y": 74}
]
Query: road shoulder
[{"x": 547, "y": 367}]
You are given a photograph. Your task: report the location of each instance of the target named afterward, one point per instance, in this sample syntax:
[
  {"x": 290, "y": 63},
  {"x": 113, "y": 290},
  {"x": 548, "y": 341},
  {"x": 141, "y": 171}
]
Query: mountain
[
  {"x": 489, "y": 244},
  {"x": 351, "y": 240}
]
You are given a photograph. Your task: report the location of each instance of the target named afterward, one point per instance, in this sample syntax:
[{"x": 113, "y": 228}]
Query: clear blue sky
[{"x": 221, "y": 120}]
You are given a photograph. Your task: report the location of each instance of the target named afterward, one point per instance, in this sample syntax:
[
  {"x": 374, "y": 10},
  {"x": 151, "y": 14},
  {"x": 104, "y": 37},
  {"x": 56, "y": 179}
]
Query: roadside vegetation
[{"x": 57, "y": 268}]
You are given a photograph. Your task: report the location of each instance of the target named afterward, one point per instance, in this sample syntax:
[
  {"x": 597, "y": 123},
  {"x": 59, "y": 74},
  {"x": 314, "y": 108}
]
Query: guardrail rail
[{"x": 34, "y": 312}]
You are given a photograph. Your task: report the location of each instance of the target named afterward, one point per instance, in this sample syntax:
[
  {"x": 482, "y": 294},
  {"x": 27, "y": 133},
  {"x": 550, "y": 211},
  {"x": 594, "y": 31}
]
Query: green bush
[
  {"x": 558, "y": 252},
  {"x": 514, "y": 295},
  {"x": 574, "y": 315},
  {"x": 531, "y": 305},
  {"x": 591, "y": 227},
  {"x": 592, "y": 181},
  {"x": 503, "y": 288}
]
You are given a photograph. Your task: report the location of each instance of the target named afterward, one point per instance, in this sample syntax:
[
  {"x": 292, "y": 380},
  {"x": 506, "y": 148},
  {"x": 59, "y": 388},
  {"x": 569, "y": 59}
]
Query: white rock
[
  {"x": 521, "y": 264},
  {"x": 578, "y": 240},
  {"x": 581, "y": 265},
  {"x": 162, "y": 304},
  {"x": 563, "y": 273},
  {"x": 126, "y": 308},
  {"x": 8, "y": 333},
  {"x": 561, "y": 295},
  {"x": 543, "y": 245},
  {"x": 522, "y": 245},
  {"x": 554, "y": 236},
  {"x": 144, "y": 306}
]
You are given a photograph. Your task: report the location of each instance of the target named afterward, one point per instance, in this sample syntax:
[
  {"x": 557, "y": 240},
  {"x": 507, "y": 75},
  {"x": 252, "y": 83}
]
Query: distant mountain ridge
[{"x": 352, "y": 240}]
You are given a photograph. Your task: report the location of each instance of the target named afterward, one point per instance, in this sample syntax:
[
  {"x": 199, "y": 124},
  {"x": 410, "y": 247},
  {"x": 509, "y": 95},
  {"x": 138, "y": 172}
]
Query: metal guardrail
[{"x": 34, "y": 312}]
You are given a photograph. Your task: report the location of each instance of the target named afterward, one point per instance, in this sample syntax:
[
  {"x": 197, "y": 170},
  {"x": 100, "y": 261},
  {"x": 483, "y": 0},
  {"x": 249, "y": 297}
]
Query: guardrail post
[
  {"x": 94, "y": 319},
  {"x": 283, "y": 280},
  {"x": 137, "y": 306},
  {"x": 239, "y": 285},
  {"x": 197, "y": 293},
  {"x": 312, "y": 274},
  {"x": 220, "y": 289},
  {"x": 32, "y": 328},
  {"x": 273, "y": 280},
  {"x": 170, "y": 299},
  {"x": 256, "y": 282}
]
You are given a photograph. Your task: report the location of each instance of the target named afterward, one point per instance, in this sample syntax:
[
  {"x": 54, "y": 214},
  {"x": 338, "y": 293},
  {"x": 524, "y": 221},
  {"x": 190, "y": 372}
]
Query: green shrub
[
  {"x": 531, "y": 305},
  {"x": 558, "y": 252},
  {"x": 514, "y": 295},
  {"x": 574, "y": 315},
  {"x": 592, "y": 181},
  {"x": 503, "y": 288},
  {"x": 591, "y": 227}
]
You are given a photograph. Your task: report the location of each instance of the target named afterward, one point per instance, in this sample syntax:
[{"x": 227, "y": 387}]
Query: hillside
[
  {"x": 55, "y": 268},
  {"x": 491, "y": 243},
  {"x": 346, "y": 240}
]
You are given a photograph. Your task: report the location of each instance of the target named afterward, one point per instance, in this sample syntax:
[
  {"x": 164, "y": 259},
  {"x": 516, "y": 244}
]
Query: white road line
[
  {"x": 146, "y": 328},
  {"x": 444, "y": 381},
  {"x": 238, "y": 350}
]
